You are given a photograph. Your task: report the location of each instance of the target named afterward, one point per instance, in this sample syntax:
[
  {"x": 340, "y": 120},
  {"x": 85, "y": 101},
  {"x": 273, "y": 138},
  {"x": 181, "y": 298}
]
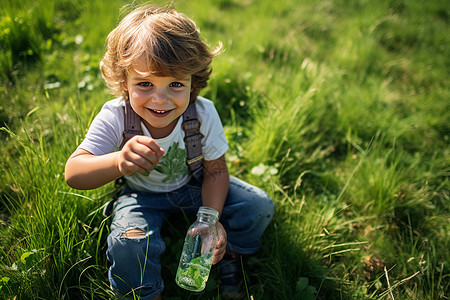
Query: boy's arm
[
  {"x": 87, "y": 171},
  {"x": 216, "y": 181}
]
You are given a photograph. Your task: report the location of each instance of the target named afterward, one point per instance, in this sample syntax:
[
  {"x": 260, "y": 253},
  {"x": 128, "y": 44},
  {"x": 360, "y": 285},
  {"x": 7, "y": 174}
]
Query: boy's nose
[{"x": 160, "y": 95}]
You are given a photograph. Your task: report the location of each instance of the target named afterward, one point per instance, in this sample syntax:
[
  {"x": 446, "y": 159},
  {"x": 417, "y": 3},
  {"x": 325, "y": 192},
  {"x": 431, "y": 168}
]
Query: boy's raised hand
[{"x": 139, "y": 155}]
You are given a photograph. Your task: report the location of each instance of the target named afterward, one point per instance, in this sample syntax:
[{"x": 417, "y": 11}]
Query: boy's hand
[
  {"x": 221, "y": 246},
  {"x": 139, "y": 155}
]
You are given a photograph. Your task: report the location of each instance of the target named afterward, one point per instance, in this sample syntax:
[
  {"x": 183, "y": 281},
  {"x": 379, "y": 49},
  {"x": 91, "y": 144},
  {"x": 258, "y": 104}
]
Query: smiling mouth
[{"x": 159, "y": 112}]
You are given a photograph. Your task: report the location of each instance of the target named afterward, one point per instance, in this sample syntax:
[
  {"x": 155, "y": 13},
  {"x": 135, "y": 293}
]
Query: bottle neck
[
  {"x": 207, "y": 219},
  {"x": 208, "y": 215}
]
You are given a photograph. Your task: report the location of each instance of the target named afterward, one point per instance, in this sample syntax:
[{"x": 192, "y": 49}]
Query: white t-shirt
[{"x": 105, "y": 136}]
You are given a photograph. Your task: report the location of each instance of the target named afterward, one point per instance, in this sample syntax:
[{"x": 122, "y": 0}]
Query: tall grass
[{"x": 338, "y": 109}]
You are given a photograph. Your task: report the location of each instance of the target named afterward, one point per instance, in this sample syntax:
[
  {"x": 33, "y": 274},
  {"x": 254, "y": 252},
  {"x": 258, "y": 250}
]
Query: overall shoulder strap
[
  {"x": 132, "y": 127},
  {"x": 132, "y": 124},
  {"x": 193, "y": 141}
]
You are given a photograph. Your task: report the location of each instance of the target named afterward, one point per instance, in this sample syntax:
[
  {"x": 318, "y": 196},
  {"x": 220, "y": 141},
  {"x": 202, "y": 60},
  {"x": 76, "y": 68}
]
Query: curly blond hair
[{"x": 167, "y": 39}]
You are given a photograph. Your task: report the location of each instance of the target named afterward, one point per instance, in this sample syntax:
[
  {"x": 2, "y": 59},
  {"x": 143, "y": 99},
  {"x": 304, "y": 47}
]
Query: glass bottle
[{"x": 198, "y": 251}]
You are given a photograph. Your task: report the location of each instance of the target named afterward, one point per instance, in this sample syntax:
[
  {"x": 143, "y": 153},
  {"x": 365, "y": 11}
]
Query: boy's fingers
[
  {"x": 221, "y": 246},
  {"x": 218, "y": 255},
  {"x": 151, "y": 144},
  {"x": 128, "y": 167},
  {"x": 140, "y": 155},
  {"x": 193, "y": 232}
]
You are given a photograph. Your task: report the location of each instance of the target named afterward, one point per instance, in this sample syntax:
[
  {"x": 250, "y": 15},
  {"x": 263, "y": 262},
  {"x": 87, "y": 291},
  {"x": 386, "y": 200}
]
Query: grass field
[{"x": 338, "y": 109}]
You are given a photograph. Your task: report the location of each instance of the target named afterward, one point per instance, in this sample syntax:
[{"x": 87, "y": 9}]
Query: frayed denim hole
[
  {"x": 134, "y": 234},
  {"x": 138, "y": 228}
]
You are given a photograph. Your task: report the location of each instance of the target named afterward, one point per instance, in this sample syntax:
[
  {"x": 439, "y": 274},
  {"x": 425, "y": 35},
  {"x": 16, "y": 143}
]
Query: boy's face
[{"x": 159, "y": 101}]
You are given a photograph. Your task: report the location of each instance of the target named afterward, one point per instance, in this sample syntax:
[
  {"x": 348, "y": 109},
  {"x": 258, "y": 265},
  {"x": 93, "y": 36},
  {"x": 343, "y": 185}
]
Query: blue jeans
[{"x": 135, "y": 262}]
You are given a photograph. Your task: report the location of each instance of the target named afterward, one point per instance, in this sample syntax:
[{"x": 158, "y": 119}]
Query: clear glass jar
[{"x": 198, "y": 251}]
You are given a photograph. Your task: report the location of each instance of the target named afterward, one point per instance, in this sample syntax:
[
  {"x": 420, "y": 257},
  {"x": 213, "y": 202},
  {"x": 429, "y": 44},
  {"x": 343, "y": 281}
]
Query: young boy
[{"x": 156, "y": 60}]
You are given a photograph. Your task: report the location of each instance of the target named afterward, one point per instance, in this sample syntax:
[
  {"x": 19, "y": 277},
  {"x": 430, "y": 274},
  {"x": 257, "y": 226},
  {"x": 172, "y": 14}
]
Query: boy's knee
[
  {"x": 270, "y": 206},
  {"x": 266, "y": 206}
]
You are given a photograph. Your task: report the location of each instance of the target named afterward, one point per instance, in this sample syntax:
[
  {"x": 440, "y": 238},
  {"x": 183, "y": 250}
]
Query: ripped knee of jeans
[{"x": 134, "y": 234}]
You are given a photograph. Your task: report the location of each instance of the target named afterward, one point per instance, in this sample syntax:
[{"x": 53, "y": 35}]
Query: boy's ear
[{"x": 124, "y": 86}]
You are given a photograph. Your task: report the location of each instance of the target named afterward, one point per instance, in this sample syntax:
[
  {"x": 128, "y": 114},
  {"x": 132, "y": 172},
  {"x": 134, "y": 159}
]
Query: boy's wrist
[{"x": 117, "y": 164}]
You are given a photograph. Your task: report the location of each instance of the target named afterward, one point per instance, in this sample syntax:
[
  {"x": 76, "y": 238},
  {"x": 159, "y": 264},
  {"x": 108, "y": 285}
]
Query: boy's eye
[
  {"x": 176, "y": 84},
  {"x": 144, "y": 84}
]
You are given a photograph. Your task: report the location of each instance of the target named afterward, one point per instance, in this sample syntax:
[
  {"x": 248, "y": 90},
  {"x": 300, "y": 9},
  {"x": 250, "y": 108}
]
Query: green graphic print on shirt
[{"x": 173, "y": 164}]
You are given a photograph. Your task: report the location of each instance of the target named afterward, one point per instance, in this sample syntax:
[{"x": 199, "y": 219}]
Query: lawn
[{"x": 338, "y": 109}]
